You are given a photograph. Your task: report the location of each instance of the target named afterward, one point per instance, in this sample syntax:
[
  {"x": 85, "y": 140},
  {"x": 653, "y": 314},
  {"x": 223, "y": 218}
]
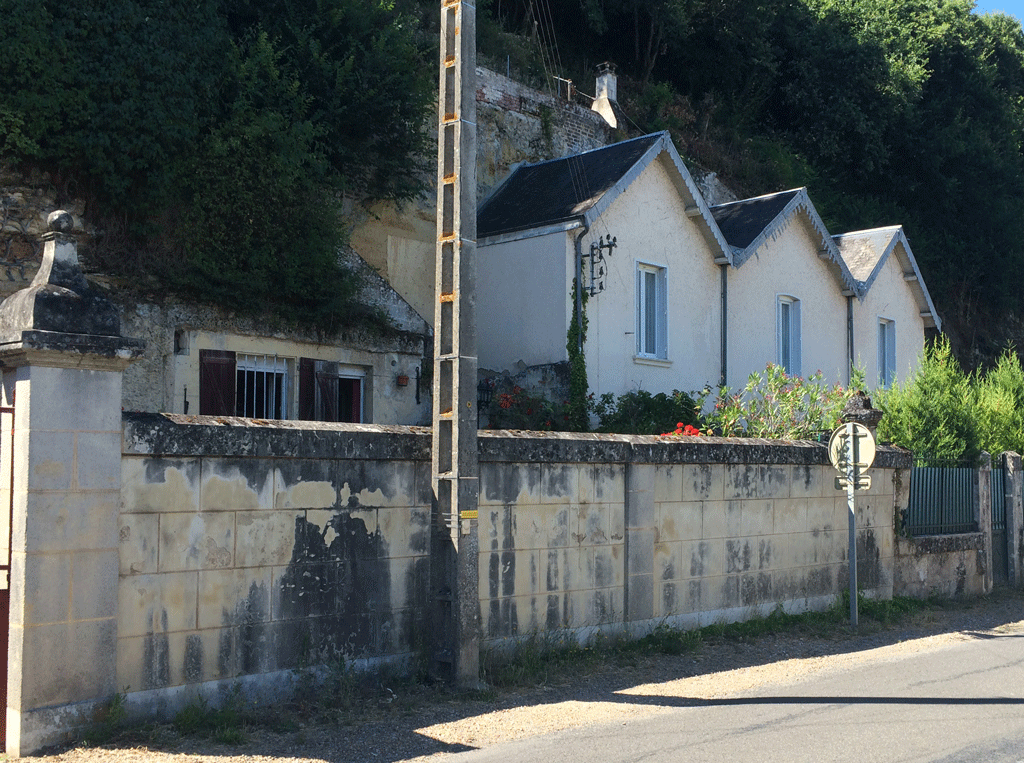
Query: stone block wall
[
  {"x": 616, "y": 531},
  {"x": 249, "y": 549}
]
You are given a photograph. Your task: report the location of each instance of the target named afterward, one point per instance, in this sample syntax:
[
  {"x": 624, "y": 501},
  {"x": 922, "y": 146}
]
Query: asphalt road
[{"x": 956, "y": 701}]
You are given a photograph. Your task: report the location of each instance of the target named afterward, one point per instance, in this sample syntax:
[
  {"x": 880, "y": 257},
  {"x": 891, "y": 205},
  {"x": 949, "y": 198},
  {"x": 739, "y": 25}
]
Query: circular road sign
[{"x": 865, "y": 447}]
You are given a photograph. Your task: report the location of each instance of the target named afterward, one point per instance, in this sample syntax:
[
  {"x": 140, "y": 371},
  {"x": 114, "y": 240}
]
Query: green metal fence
[{"x": 942, "y": 499}]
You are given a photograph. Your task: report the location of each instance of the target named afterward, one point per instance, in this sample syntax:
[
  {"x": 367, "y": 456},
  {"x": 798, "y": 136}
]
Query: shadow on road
[{"x": 396, "y": 734}]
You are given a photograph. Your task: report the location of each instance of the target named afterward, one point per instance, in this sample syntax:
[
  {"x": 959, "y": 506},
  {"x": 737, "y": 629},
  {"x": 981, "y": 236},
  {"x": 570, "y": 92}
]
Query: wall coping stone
[
  {"x": 925, "y": 545},
  {"x": 170, "y": 434}
]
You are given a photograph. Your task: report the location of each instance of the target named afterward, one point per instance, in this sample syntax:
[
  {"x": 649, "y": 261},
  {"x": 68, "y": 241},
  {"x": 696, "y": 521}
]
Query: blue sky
[{"x": 1013, "y": 7}]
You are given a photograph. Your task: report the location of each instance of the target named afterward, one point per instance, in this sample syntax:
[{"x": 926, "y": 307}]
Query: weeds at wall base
[
  {"x": 540, "y": 659},
  {"x": 342, "y": 695}
]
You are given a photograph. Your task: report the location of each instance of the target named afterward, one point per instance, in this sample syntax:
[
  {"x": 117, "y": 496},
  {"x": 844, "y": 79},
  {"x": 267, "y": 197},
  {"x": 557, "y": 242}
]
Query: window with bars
[
  {"x": 788, "y": 334},
  {"x": 262, "y": 386},
  {"x": 651, "y": 311}
]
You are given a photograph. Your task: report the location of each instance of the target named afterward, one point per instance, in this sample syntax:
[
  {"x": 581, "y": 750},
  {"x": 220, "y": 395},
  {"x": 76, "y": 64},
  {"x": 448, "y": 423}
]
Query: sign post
[{"x": 851, "y": 448}]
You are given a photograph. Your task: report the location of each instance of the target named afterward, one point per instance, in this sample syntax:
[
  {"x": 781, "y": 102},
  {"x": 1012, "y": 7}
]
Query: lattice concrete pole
[{"x": 455, "y": 546}]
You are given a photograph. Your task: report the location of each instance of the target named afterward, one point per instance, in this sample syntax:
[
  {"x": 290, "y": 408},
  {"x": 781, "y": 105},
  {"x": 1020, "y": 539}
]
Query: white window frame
[
  {"x": 265, "y": 366},
  {"x": 788, "y": 334},
  {"x": 651, "y": 311},
  {"x": 886, "y": 352}
]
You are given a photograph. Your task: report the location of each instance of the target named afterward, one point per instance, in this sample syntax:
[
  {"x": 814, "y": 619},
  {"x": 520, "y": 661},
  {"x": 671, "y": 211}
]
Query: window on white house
[
  {"x": 788, "y": 333},
  {"x": 651, "y": 311},
  {"x": 261, "y": 387},
  {"x": 886, "y": 352}
]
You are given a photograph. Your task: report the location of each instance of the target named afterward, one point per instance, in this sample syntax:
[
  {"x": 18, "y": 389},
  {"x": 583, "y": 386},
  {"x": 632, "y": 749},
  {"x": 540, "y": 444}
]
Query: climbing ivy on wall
[{"x": 578, "y": 407}]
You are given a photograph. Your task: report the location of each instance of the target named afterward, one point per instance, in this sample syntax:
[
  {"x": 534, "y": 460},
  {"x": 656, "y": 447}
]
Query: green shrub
[
  {"x": 640, "y": 412},
  {"x": 512, "y": 407},
  {"x": 1001, "y": 406},
  {"x": 935, "y": 412}
]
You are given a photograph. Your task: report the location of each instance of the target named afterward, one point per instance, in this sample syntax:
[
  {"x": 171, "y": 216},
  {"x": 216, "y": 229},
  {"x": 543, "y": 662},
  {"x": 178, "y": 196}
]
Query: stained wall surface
[{"x": 250, "y": 549}]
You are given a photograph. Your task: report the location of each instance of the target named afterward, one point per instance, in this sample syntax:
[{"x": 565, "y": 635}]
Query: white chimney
[{"x": 607, "y": 93}]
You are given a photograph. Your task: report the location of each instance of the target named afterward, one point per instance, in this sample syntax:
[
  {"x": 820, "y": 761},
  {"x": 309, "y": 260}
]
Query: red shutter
[{"x": 216, "y": 383}]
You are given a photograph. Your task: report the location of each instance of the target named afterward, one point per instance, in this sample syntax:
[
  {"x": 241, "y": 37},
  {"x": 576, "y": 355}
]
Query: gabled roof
[
  {"x": 749, "y": 223},
  {"x": 574, "y": 190},
  {"x": 866, "y": 252}
]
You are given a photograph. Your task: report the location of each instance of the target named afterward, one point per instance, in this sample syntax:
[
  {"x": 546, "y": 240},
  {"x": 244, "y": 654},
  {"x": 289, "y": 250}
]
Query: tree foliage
[
  {"x": 892, "y": 112},
  {"x": 935, "y": 412},
  {"x": 218, "y": 135}
]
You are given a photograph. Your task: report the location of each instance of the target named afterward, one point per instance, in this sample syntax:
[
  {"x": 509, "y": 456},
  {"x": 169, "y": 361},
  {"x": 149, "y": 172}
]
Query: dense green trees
[
  {"x": 891, "y": 111},
  {"x": 212, "y": 138}
]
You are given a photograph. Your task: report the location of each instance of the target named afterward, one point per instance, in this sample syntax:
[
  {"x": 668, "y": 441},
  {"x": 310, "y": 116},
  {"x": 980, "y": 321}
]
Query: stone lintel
[{"x": 53, "y": 349}]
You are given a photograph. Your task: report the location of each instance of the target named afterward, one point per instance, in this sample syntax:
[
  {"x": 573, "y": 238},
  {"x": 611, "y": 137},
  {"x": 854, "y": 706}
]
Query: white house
[
  {"x": 654, "y": 310},
  {"x": 893, "y": 310},
  {"x": 689, "y": 295},
  {"x": 788, "y": 289}
]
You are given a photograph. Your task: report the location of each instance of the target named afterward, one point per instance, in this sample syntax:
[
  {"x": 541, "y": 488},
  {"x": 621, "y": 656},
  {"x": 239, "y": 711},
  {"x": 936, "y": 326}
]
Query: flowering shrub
[
  {"x": 683, "y": 430},
  {"x": 777, "y": 406},
  {"x": 517, "y": 409}
]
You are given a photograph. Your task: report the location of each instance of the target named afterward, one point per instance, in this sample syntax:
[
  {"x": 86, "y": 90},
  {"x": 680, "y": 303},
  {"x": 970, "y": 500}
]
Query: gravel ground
[{"x": 429, "y": 724}]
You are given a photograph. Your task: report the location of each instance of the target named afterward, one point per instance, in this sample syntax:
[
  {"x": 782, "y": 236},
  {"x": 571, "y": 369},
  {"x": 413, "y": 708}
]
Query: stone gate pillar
[{"x": 62, "y": 358}]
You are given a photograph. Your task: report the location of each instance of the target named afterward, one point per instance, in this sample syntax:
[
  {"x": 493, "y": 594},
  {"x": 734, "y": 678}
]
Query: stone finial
[
  {"x": 60, "y": 221},
  {"x": 858, "y": 410},
  {"x": 59, "y": 299}
]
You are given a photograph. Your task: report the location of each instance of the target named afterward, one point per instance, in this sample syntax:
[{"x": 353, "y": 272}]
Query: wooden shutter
[
  {"x": 307, "y": 391},
  {"x": 216, "y": 383}
]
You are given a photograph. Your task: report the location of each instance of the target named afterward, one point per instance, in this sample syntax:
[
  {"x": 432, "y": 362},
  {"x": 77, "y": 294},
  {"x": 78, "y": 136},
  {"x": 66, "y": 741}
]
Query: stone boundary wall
[
  {"x": 250, "y": 549},
  {"x": 941, "y": 565}
]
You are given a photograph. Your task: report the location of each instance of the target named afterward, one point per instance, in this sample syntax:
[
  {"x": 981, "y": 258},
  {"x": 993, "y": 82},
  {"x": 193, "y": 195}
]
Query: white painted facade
[
  {"x": 787, "y": 266},
  {"x": 669, "y": 261},
  {"x": 524, "y": 288},
  {"x": 892, "y": 292},
  {"x": 652, "y": 228},
  {"x": 522, "y": 296}
]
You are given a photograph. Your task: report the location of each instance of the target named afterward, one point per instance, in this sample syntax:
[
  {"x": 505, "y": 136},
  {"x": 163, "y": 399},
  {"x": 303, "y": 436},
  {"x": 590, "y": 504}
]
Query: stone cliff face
[{"x": 25, "y": 203}]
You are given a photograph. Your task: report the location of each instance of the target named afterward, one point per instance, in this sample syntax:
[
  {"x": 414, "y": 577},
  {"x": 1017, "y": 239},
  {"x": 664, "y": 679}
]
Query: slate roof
[
  {"x": 558, "y": 190},
  {"x": 741, "y": 222},
  {"x": 747, "y": 224},
  {"x": 866, "y": 251}
]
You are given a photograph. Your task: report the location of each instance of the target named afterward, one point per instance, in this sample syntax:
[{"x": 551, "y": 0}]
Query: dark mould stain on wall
[
  {"x": 503, "y": 616},
  {"x": 156, "y": 654},
  {"x": 336, "y": 593}
]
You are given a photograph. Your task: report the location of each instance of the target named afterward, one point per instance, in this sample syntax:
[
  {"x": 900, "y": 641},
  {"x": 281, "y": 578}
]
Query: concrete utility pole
[{"x": 454, "y": 459}]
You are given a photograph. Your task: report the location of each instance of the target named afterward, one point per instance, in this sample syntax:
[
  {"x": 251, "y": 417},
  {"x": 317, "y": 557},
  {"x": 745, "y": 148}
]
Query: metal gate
[{"x": 1000, "y": 549}]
